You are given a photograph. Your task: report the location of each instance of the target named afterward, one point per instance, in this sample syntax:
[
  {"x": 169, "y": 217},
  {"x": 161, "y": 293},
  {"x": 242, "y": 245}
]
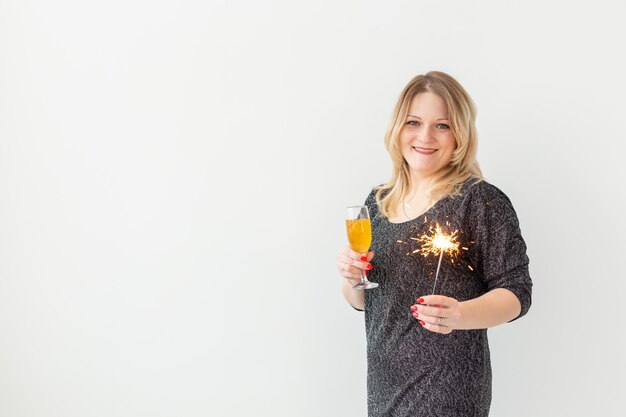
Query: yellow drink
[{"x": 359, "y": 235}]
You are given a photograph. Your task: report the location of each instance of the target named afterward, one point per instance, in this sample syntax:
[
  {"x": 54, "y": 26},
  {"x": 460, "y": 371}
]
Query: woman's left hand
[{"x": 437, "y": 313}]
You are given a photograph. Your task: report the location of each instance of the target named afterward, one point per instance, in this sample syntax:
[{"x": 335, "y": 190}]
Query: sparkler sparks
[{"x": 436, "y": 242}]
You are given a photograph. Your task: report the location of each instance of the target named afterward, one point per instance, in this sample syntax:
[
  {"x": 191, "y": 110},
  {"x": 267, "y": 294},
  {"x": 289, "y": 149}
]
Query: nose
[{"x": 426, "y": 134}]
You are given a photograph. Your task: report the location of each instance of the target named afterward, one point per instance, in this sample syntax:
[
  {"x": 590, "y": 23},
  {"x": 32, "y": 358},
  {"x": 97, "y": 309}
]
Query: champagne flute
[{"x": 359, "y": 231}]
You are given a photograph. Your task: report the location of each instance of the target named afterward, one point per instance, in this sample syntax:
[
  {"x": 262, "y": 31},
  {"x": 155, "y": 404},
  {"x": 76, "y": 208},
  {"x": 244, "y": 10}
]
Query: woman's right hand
[{"x": 351, "y": 264}]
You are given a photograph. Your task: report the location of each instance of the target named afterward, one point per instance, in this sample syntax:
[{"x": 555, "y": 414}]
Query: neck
[
  {"x": 417, "y": 200},
  {"x": 421, "y": 186}
]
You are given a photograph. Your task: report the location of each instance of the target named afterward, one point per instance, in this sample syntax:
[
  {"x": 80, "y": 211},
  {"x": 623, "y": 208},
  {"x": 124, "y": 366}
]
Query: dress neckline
[{"x": 424, "y": 214}]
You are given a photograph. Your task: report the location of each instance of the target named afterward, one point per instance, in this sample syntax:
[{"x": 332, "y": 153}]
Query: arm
[{"x": 495, "y": 307}]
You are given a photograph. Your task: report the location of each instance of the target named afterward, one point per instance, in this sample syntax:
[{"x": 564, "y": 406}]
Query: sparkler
[{"x": 436, "y": 242}]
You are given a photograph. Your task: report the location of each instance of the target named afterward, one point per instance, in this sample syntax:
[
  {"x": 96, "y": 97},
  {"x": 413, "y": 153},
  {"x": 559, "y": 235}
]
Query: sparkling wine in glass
[{"x": 359, "y": 231}]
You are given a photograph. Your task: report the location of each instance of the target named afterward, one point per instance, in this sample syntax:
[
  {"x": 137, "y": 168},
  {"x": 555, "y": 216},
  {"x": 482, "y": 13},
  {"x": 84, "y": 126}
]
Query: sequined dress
[{"x": 415, "y": 372}]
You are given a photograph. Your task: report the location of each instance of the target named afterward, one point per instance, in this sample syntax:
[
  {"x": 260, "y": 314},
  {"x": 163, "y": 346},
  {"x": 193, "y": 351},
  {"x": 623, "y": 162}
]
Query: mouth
[{"x": 424, "y": 151}]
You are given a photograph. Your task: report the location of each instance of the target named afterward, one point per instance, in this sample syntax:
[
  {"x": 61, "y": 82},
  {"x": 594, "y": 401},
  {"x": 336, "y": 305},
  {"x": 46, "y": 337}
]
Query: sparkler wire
[{"x": 437, "y": 273}]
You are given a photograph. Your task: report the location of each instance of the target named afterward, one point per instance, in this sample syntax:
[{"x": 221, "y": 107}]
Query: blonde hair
[{"x": 463, "y": 166}]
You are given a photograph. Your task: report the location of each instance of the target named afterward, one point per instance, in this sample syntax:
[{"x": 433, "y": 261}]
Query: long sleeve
[{"x": 502, "y": 260}]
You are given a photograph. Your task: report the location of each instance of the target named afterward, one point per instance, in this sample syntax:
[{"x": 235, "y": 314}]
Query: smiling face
[{"x": 426, "y": 139}]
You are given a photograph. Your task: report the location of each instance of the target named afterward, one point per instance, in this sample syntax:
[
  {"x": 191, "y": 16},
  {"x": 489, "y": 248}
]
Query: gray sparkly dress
[{"x": 415, "y": 372}]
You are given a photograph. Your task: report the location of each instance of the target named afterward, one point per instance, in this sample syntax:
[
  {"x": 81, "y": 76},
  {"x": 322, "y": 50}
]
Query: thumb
[{"x": 370, "y": 255}]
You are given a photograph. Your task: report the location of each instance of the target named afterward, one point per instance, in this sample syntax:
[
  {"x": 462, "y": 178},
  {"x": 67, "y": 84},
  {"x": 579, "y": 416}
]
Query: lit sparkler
[{"x": 436, "y": 242}]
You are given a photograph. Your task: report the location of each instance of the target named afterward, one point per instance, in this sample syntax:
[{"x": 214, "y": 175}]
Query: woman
[{"x": 427, "y": 354}]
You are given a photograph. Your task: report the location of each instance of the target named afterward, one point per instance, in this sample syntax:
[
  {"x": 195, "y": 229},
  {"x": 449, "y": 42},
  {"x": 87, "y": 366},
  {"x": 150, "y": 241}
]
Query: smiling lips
[{"x": 424, "y": 151}]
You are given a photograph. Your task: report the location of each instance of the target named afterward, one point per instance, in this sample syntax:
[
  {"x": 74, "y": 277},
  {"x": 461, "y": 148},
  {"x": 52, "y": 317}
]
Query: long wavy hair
[{"x": 463, "y": 165}]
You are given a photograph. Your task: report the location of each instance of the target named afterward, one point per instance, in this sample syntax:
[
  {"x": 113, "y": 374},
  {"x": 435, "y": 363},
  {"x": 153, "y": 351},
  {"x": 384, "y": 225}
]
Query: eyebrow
[{"x": 417, "y": 117}]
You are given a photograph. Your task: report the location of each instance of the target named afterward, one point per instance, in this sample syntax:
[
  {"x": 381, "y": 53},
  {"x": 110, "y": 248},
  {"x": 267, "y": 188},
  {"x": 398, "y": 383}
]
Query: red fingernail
[
  {"x": 370, "y": 266},
  {"x": 415, "y": 315},
  {"x": 366, "y": 273},
  {"x": 420, "y": 300},
  {"x": 422, "y": 323},
  {"x": 413, "y": 307},
  {"x": 364, "y": 258}
]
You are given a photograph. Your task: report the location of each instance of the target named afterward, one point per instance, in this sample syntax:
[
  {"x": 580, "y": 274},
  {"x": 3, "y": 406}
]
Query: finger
[
  {"x": 432, "y": 311},
  {"x": 353, "y": 254},
  {"x": 419, "y": 314},
  {"x": 435, "y": 328},
  {"x": 347, "y": 270},
  {"x": 436, "y": 300},
  {"x": 434, "y": 320},
  {"x": 356, "y": 255},
  {"x": 348, "y": 253},
  {"x": 357, "y": 262},
  {"x": 351, "y": 275}
]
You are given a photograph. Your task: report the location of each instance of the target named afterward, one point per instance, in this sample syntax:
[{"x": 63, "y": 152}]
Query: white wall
[{"x": 172, "y": 183}]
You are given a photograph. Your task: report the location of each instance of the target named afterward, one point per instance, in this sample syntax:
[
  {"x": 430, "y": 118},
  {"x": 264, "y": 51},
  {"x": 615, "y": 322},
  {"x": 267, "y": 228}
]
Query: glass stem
[{"x": 363, "y": 274}]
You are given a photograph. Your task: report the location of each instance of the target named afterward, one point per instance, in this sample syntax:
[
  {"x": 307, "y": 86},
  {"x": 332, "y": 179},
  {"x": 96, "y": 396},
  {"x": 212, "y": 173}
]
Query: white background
[{"x": 172, "y": 183}]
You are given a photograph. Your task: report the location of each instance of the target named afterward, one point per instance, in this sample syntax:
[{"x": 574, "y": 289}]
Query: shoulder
[
  {"x": 483, "y": 190},
  {"x": 372, "y": 203},
  {"x": 371, "y": 197},
  {"x": 487, "y": 201}
]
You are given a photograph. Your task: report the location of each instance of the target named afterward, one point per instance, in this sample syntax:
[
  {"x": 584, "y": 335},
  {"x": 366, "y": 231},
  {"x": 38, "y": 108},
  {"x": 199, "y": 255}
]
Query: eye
[
  {"x": 443, "y": 126},
  {"x": 413, "y": 123}
]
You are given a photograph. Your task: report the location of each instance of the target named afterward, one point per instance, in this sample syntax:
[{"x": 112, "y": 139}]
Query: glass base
[{"x": 365, "y": 286}]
